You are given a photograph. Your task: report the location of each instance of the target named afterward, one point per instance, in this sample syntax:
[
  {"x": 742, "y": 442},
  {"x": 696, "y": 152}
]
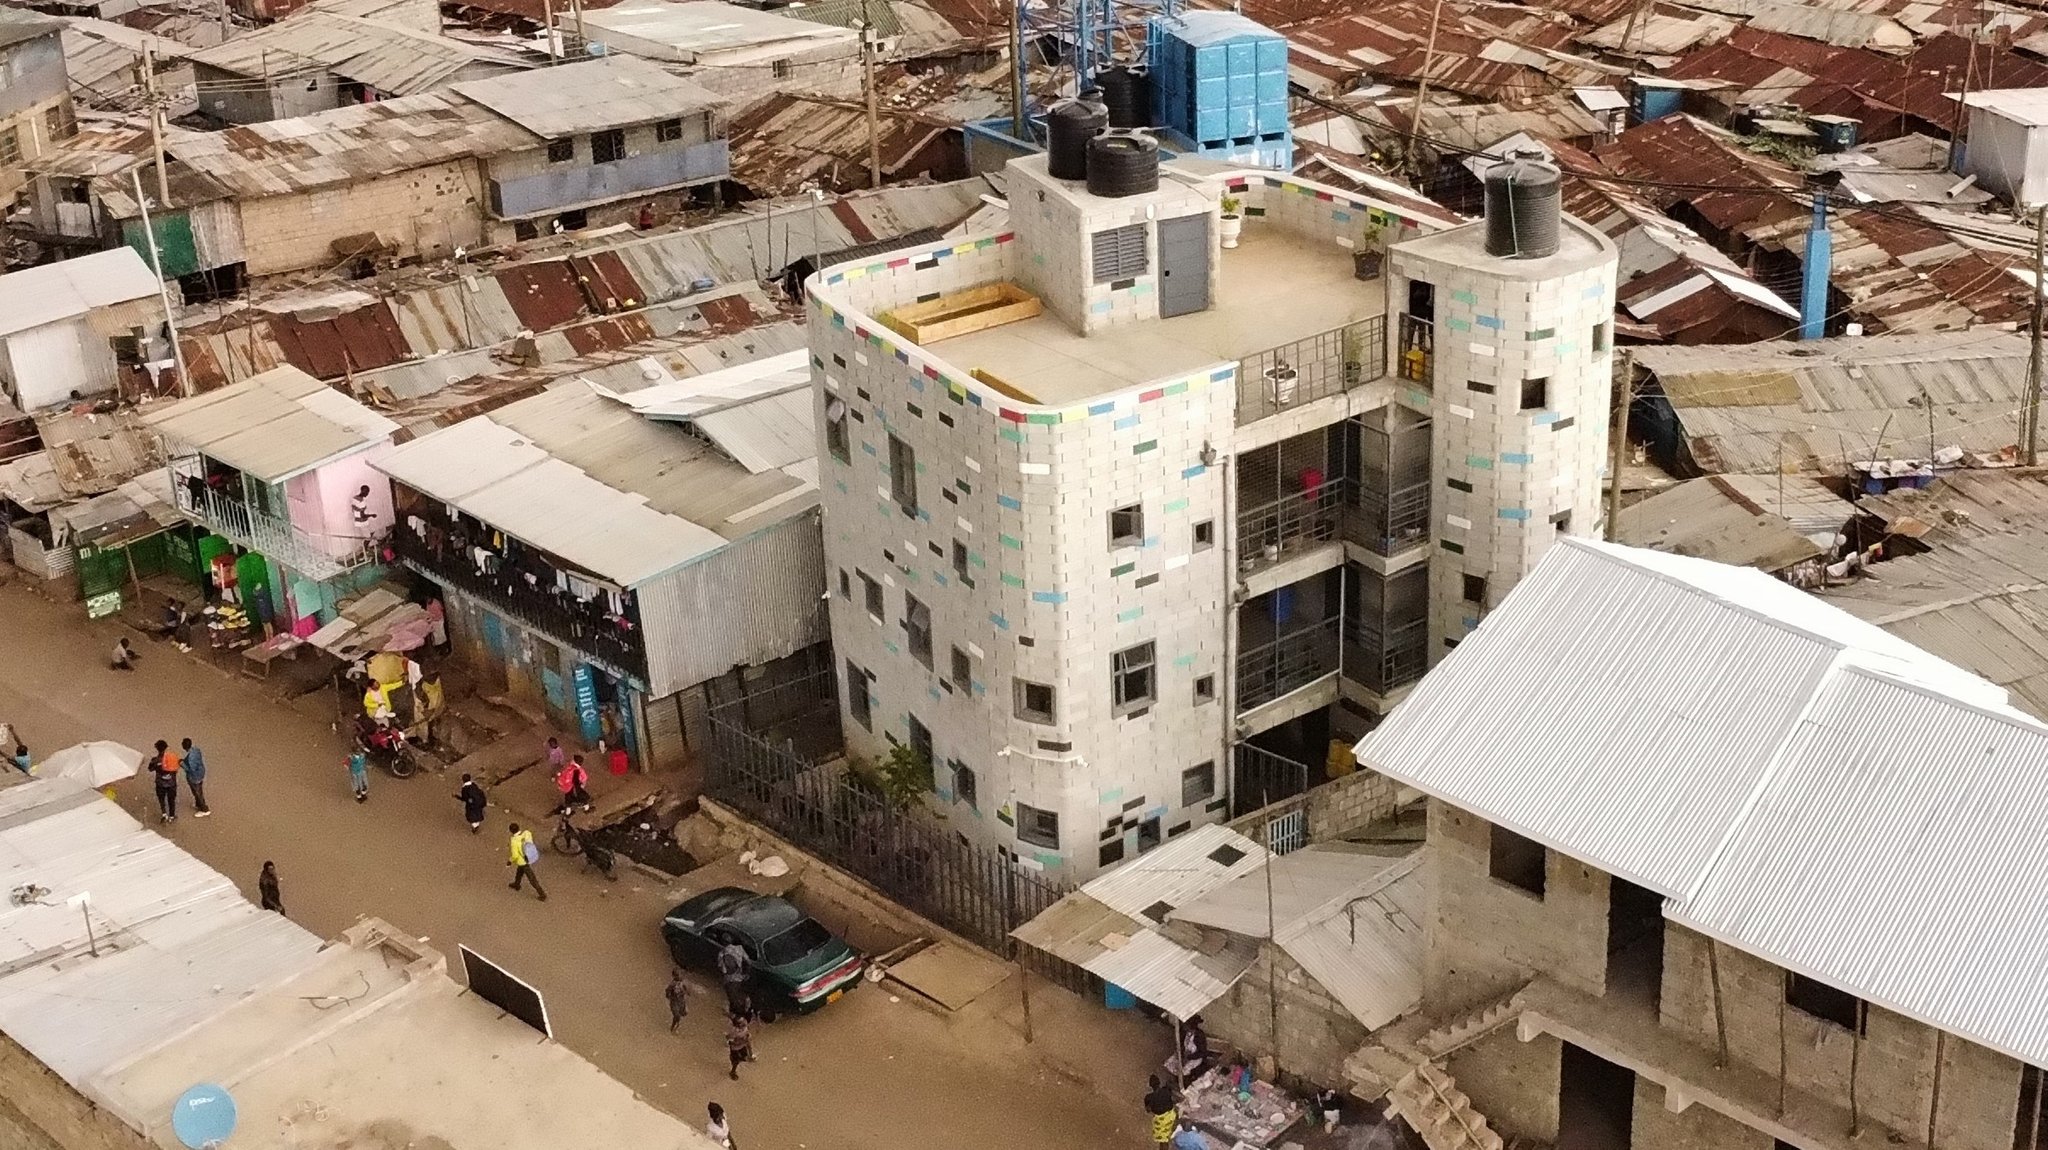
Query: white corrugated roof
[
  {"x": 1177, "y": 873},
  {"x": 498, "y": 476},
  {"x": 2027, "y": 106},
  {"x": 1798, "y": 783},
  {"x": 35, "y": 296},
  {"x": 590, "y": 95},
  {"x": 758, "y": 413},
  {"x": 274, "y": 425},
  {"x": 178, "y": 944}
]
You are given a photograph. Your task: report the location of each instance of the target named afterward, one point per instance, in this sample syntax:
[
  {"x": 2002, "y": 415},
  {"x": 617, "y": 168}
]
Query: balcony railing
[
  {"x": 1388, "y": 522},
  {"x": 1383, "y": 655},
  {"x": 1325, "y": 364},
  {"x": 1415, "y": 357},
  {"x": 1286, "y": 664},
  {"x": 1289, "y": 525},
  {"x": 584, "y": 625},
  {"x": 316, "y": 557}
]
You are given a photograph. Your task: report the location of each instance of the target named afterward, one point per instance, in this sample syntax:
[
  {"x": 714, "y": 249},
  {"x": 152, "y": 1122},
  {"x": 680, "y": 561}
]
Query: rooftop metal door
[{"x": 1183, "y": 265}]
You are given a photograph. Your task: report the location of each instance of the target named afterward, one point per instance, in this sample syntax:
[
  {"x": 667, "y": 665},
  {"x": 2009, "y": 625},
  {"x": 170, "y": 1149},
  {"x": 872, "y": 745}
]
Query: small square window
[
  {"x": 780, "y": 69},
  {"x": 1198, "y": 784},
  {"x": 1601, "y": 336},
  {"x": 917, "y": 627},
  {"x": 920, "y": 744},
  {"x": 960, "y": 563},
  {"x": 857, "y": 703},
  {"x": 1562, "y": 521},
  {"x": 561, "y": 151},
  {"x": 845, "y": 585},
  {"x": 1475, "y": 588},
  {"x": 668, "y": 131},
  {"x": 1112, "y": 852},
  {"x": 1039, "y": 828},
  {"x": 871, "y": 597},
  {"x": 963, "y": 670},
  {"x": 1205, "y": 689},
  {"x": 1035, "y": 702},
  {"x": 1205, "y": 534},
  {"x": 964, "y": 784},
  {"x": 1536, "y": 393},
  {"x": 608, "y": 146},
  {"x": 61, "y": 123},
  {"x": 10, "y": 146},
  {"x": 903, "y": 475},
  {"x": 1515, "y": 860},
  {"x": 836, "y": 438},
  {"x": 1542, "y": 333},
  {"x": 1481, "y": 388},
  {"x": 1131, "y": 679},
  {"x": 1127, "y": 526}
]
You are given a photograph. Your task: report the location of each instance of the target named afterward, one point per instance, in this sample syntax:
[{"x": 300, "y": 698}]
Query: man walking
[
  {"x": 521, "y": 855},
  {"x": 678, "y": 1000},
  {"x": 165, "y": 767},
  {"x": 195, "y": 777},
  {"x": 739, "y": 1042},
  {"x": 473, "y": 802},
  {"x": 266, "y": 888},
  {"x": 733, "y": 967}
]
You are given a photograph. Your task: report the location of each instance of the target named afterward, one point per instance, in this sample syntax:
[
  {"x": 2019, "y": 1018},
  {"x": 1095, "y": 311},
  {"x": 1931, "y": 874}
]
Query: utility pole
[
  {"x": 1017, "y": 126},
  {"x": 2030, "y": 414},
  {"x": 576, "y": 9},
  {"x": 163, "y": 289},
  {"x": 867, "y": 83},
  {"x": 1624, "y": 398},
  {"x": 225, "y": 30},
  {"x": 1436, "y": 13},
  {"x": 156, "y": 125},
  {"x": 548, "y": 29}
]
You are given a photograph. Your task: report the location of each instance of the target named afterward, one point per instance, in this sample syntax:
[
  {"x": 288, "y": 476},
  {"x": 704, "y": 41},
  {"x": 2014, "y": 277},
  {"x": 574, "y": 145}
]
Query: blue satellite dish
[{"x": 203, "y": 1116}]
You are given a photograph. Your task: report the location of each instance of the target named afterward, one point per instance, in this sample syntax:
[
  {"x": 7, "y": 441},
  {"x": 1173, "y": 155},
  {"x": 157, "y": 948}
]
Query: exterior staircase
[
  {"x": 1408, "y": 1075},
  {"x": 1431, "y": 1103},
  {"x": 1470, "y": 1027}
]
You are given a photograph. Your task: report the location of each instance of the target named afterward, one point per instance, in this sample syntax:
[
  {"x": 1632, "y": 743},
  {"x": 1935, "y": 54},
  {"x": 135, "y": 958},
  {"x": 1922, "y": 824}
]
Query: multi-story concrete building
[
  {"x": 1125, "y": 526},
  {"x": 1716, "y": 866},
  {"x": 35, "y": 95}
]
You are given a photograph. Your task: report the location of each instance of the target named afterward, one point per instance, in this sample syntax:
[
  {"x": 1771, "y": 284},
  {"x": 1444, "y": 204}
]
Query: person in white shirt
[{"x": 719, "y": 1129}]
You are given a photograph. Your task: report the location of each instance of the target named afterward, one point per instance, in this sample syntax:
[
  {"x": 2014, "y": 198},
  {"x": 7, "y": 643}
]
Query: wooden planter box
[{"x": 962, "y": 312}]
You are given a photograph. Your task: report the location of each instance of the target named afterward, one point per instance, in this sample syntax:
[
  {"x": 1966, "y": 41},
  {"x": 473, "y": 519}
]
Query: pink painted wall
[{"x": 320, "y": 500}]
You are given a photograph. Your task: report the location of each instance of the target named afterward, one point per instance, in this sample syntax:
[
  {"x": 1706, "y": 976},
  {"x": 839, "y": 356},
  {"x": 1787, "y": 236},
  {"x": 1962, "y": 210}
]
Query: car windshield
[{"x": 794, "y": 943}]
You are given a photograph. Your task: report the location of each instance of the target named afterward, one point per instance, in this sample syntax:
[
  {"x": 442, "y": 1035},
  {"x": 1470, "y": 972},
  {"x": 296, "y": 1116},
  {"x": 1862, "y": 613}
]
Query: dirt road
[{"x": 864, "y": 1074}]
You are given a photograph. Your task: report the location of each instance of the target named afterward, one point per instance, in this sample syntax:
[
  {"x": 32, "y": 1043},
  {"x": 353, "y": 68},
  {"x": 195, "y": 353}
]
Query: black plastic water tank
[
  {"x": 1122, "y": 162},
  {"x": 1123, "y": 93},
  {"x": 1524, "y": 208},
  {"x": 1068, "y": 128}
]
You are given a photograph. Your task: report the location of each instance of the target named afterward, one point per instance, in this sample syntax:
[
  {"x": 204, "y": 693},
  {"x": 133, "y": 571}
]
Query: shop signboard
[
  {"x": 586, "y": 703},
  {"x": 102, "y": 605}
]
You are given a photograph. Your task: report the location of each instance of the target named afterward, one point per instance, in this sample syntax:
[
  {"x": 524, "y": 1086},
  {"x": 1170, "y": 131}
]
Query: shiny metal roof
[
  {"x": 393, "y": 58},
  {"x": 35, "y": 296},
  {"x": 759, "y": 413},
  {"x": 611, "y": 92},
  {"x": 273, "y": 426}
]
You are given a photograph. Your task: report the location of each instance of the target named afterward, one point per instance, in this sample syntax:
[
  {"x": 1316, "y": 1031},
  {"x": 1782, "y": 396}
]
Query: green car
[{"x": 799, "y": 966}]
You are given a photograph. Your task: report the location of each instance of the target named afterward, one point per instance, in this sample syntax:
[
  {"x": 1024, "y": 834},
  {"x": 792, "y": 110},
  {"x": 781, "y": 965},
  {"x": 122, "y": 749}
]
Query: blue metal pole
[{"x": 1813, "y": 295}]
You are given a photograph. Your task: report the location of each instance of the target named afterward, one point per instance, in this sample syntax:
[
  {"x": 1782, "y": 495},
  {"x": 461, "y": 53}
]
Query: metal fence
[
  {"x": 1325, "y": 364},
  {"x": 1261, "y": 778},
  {"x": 757, "y": 768},
  {"x": 1287, "y": 663}
]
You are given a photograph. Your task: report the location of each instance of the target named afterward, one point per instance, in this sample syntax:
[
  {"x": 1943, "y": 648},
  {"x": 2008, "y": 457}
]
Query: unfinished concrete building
[{"x": 1717, "y": 866}]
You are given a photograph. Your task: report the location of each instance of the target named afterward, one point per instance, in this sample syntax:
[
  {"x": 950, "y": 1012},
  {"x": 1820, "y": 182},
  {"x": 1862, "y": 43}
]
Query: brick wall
[
  {"x": 1488, "y": 937},
  {"x": 427, "y": 212},
  {"x": 1338, "y": 808},
  {"x": 1316, "y": 1033},
  {"x": 1697, "y": 1127},
  {"x": 40, "y": 1111},
  {"x": 1513, "y": 1083},
  {"x": 1894, "y": 1067}
]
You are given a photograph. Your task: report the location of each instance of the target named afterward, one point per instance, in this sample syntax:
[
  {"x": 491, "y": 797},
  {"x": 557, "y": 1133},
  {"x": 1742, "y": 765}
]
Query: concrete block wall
[
  {"x": 1315, "y": 212},
  {"x": 1487, "y": 937},
  {"x": 1316, "y": 1033},
  {"x": 40, "y": 1111},
  {"x": 1513, "y": 1083},
  {"x": 1027, "y": 492},
  {"x": 1697, "y": 1127},
  {"x": 1055, "y": 222},
  {"x": 428, "y": 211},
  {"x": 1894, "y": 1068},
  {"x": 1508, "y": 481}
]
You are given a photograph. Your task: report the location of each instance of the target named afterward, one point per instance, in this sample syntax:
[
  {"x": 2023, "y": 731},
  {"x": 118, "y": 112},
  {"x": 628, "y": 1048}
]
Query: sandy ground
[{"x": 864, "y": 1074}]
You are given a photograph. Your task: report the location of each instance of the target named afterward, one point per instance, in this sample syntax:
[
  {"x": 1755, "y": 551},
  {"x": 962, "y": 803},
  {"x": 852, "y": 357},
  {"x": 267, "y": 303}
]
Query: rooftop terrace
[{"x": 1277, "y": 288}]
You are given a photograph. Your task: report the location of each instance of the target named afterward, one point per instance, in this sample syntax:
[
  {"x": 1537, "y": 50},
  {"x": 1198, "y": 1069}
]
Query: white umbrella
[{"x": 96, "y": 764}]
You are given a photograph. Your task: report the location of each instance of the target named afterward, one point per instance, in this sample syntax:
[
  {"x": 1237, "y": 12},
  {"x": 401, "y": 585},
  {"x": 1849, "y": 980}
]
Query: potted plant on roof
[
  {"x": 1233, "y": 220},
  {"x": 1368, "y": 257}
]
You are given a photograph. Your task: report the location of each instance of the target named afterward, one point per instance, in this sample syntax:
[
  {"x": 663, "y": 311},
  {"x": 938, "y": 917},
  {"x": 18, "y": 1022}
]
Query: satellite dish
[{"x": 203, "y": 1117}]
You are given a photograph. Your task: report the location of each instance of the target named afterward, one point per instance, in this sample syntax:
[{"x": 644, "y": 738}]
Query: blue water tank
[{"x": 1219, "y": 83}]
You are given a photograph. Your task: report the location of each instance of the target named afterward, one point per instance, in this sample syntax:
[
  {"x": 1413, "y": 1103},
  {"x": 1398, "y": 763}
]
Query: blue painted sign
[
  {"x": 586, "y": 703},
  {"x": 629, "y": 724}
]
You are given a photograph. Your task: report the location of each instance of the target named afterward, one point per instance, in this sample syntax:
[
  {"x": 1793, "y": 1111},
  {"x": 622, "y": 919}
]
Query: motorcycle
[
  {"x": 571, "y": 841},
  {"x": 388, "y": 747}
]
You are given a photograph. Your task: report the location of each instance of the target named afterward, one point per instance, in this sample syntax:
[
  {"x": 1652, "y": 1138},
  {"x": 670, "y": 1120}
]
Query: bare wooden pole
[
  {"x": 1720, "y": 1016},
  {"x": 1934, "y": 1097},
  {"x": 1624, "y": 398},
  {"x": 2031, "y": 414},
  {"x": 1436, "y": 13},
  {"x": 867, "y": 83}
]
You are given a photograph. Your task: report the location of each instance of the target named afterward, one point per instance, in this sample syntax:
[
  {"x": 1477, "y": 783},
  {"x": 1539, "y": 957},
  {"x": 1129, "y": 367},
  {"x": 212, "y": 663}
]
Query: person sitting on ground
[
  {"x": 21, "y": 760},
  {"x": 124, "y": 655}
]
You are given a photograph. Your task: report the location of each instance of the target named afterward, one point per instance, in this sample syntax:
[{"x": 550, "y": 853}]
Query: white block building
[{"x": 1126, "y": 560}]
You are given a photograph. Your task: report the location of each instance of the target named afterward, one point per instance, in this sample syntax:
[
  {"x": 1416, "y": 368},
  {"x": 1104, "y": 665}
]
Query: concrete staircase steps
[
  {"x": 1470, "y": 1027},
  {"x": 1431, "y": 1103}
]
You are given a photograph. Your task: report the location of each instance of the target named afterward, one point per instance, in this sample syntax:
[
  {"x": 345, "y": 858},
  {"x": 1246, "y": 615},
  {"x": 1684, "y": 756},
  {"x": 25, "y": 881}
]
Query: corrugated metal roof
[
  {"x": 1896, "y": 852},
  {"x": 786, "y": 141},
  {"x": 274, "y": 425},
  {"x": 1606, "y": 743},
  {"x": 179, "y": 945},
  {"x": 1127, "y": 952},
  {"x": 35, "y": 296},
  {"x": 1713, "y": 518},
  {"x": 392, "y": 58},
  {"x": 18, "y": 25},
  {"x": 1177, "y": 872},
  {"x": 612, "y": 92},
  {"x": 359, "y": 142},
  {"x": 693, "y": 28},
  {"x": 1366, "y": 946},
  {"x": 31, "y": 482},
  {"x": 759, "y": 413}
]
